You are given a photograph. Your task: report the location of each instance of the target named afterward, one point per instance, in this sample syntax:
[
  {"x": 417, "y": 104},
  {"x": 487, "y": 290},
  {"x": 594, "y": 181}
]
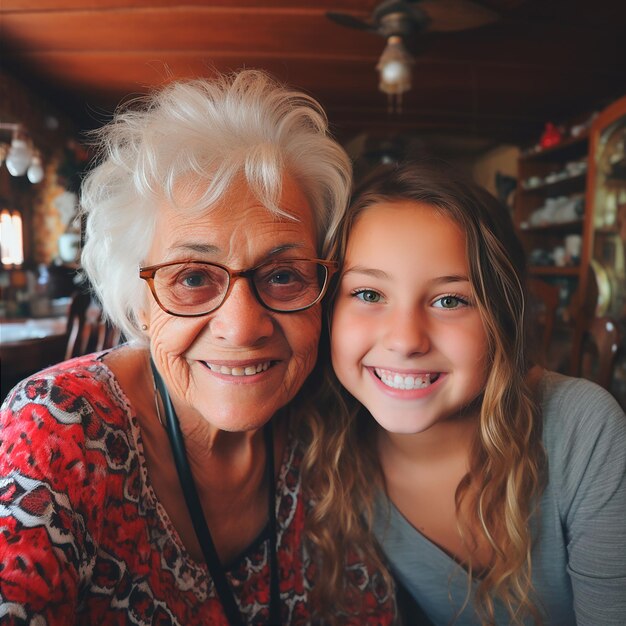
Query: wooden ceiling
[{"x": 543, "y": 60}]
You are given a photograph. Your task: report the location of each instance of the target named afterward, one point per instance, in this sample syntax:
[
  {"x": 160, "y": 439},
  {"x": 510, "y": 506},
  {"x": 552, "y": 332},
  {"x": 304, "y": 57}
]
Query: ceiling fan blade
[
  {"x": 344, "y": 19},
  {"x": 455, "y": 15}
]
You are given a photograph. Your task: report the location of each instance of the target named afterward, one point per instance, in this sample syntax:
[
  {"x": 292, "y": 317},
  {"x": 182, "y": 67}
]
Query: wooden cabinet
[
  {"x": 606, "y": 198},
  {"x": 570, "y": 213},
  {"x": 606, "y": 201},
  {"x": 554, "y": 223}
]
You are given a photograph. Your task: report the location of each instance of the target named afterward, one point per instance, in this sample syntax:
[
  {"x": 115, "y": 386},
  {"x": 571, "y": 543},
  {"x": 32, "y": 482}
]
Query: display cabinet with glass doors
[{"x": 606, "y": 245}]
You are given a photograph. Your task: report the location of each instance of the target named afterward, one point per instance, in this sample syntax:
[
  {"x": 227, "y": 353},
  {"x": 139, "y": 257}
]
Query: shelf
[
  {"x": 569, "y": 144},
  {"x": 553, "y": 270},
  {"x": 607, "y": 231},
  {"x": 615, "y": 183},
  {"x": 544, "y": 237},
  {"x": 555, "y": 227},
  {"x": 557, "y": 185}
]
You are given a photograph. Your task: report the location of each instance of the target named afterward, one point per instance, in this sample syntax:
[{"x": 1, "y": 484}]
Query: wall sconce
[
  {"x": 394, "y": 68},
  {"x": 20, "y": 156},
  {"x": 11, "y": 238}
]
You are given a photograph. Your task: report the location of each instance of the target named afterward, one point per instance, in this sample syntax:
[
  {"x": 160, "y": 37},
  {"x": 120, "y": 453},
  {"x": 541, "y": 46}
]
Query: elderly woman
[{"x": 160, "y": 483}]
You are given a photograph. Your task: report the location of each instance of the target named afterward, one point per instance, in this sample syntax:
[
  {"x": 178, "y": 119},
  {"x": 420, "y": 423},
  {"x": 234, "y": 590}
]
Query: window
[{"x": 11, "y": 239}]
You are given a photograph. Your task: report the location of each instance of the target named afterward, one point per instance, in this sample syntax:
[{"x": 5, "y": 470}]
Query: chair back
[
  {"x": 87, "y": 328},
  {"x": 600, "y": 344},
  {"x": 544, "y": 302}
]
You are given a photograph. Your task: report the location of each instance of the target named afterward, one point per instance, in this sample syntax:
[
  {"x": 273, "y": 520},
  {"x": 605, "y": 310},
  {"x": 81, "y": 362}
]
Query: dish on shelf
[
  {"x": 563, "y": 209},
  {"x": 538, "y": 182},
  {"x": 574, "y": 225}
]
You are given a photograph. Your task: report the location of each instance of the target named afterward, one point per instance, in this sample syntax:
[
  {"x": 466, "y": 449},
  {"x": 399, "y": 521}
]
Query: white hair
[{"x": 201, "y": 134}]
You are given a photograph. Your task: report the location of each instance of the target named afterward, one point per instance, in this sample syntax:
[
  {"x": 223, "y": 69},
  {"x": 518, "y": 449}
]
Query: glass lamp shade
[
  {"x": 35, "y": 170},
  {"x": 394, "y": 67},
  {"x": 395, "y": 72},
  {"x": 19, "y": 157}
]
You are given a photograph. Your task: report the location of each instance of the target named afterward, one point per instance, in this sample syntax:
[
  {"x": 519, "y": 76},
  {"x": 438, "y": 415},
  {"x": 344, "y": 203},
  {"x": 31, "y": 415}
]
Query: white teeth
[
  {"x": 397, "y": 381},
  {"x": 248, "y": 370}
]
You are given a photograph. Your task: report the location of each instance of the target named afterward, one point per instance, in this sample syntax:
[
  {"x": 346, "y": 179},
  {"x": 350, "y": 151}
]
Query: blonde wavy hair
[{"x": 507, "y": 460}]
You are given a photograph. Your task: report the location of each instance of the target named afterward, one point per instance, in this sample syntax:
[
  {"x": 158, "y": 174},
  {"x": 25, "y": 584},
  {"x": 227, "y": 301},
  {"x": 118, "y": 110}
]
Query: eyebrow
[
  {"x": 452, "y": 278},
  {"x": 284, "y": 248},
  {"x": 202, "y": 248},
  {"x": 205, "y": 248},
  {"x": 380, "y": 274},
  {"x": 367, "y": 271}
]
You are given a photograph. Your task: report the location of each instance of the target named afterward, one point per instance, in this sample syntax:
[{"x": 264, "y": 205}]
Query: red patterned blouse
[{"x": 84, "y": 539}]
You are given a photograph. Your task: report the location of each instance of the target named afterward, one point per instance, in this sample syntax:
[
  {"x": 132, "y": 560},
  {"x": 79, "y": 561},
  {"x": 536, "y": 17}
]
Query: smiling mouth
[
  {"x": 395, "y": 380},
  {"x": 247, "y": 370}
]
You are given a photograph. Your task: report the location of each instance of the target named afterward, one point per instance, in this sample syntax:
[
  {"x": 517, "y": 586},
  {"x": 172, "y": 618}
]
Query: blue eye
[
  {"x": 450, "y": 302},
  {"x": 282, "y": 277},
  {"x": 367, "y": 295},
  {"x": 196, "y": 279}
]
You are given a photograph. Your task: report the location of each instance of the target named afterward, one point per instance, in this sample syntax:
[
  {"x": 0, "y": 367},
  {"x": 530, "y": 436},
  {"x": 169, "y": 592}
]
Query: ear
[{"x": 143, "y": 319}]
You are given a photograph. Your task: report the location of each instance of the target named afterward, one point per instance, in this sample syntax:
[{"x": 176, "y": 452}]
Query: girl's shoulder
[
  {"x": 565, "y": 401},
  {"x": 584, "y": 427}
]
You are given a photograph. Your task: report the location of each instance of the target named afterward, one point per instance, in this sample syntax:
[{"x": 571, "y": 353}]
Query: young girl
[{"x": 501, "y": 487}]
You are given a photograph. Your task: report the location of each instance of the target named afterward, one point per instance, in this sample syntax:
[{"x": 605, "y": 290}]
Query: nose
[
  {"x": 406, "y": 332},
  {"x": 241, "y": 320}
]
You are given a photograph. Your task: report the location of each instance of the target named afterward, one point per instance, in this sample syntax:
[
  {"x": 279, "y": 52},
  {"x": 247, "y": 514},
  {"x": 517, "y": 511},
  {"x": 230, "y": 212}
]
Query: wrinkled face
[
  {"x": 407, "y": 340},
  {"x": 236, "y": 366}
]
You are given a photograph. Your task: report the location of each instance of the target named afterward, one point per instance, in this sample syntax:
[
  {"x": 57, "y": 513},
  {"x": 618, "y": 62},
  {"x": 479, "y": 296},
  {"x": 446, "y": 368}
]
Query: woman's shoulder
[
  {"x": 68, "y": 427},
  {"x": 79, "y": 392}
]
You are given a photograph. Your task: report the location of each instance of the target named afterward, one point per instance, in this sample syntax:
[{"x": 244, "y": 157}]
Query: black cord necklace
[{"x": 203, "y": 534}]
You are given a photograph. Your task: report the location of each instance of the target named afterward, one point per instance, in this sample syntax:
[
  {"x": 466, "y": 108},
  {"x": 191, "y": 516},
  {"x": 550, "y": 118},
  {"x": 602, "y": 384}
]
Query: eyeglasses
[{"x": 195, "y": 288}]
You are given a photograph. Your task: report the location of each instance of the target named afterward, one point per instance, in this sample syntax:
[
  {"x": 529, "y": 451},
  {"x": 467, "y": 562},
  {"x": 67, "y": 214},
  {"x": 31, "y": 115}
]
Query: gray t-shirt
[{"x": 579, "y": 552}]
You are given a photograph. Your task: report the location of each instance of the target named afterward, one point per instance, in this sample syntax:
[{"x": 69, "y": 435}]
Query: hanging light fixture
[
  {"x": 20, "y": 157},
  {"x": 394, "y": 67},
  {"x": 400, "y": 22},
  {"x": 34, "y": 173}
]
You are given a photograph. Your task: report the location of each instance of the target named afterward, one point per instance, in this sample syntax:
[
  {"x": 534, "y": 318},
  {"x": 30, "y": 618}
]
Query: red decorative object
[{"x": 551, "y": 136}]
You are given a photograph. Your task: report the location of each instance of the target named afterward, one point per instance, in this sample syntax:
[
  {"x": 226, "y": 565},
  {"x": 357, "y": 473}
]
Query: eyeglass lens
[{"x": 195, "y": 288}]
